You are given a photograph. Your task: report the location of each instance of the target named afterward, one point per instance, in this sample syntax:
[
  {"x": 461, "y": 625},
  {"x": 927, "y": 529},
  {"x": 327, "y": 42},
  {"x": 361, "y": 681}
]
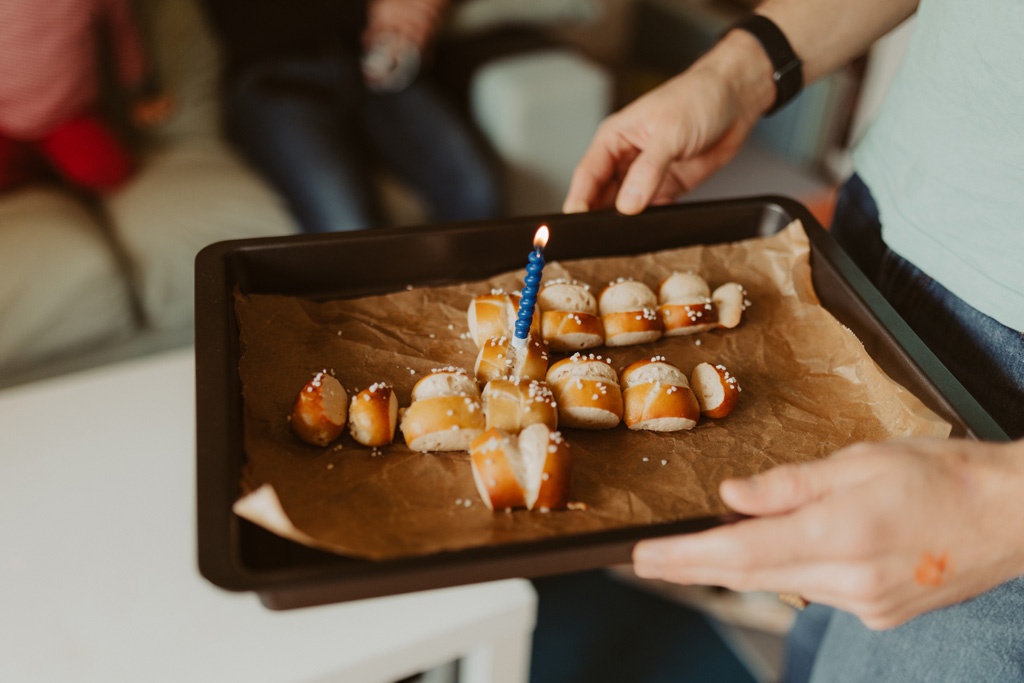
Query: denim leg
[
  {"x": 857, "y": 229},
  {"x": 297, "y": 122},
  {"x": 978, "y": 640},
  {"x": 985, "y": 356},
  {"x": 419, "y": 135},
  {"x": 803, "y": 642}
]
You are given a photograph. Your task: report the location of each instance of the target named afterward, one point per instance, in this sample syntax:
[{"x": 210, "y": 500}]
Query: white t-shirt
[{"x": 945, "y": 157}]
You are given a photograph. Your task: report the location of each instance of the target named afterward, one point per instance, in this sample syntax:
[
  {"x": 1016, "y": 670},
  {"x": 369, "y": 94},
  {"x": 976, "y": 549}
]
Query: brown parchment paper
[{"x": 808, "y": 388}]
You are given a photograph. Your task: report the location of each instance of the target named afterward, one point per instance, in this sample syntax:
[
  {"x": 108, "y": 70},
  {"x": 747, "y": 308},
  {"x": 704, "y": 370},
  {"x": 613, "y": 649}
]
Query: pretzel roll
[
  {"x": 493, "y": 456},
  {"x": 691, "y": 317},
  {"x": 320, "y": 410},
  {"x": 533, "y": 471},
  {"x": 717, "y": 390},
  {"x": 512, "y": 405},
  {"x": 494, "y": 315},
  {"x": 495, "y": 361},
  {"x": 590, "y": 366},
  {"x": 567, "y": 295},
  {"x": 571, "y": 331},
  {"x": 547, "y": 468},
  {"x": 587, "y": 392},
  {"x": 654, "y": 369},
  {"x": 373, "y": 415},
  {"x": 448, "y": 381},
  {"x": 569, "y": 320},
  {"x": 658, "y": 398},
  {"x": 442, "y": 423},
  {"x": 628, "y": 311},
  {"x": 731, "y": 300},
  {"x": 686, "y": 286},
  {"x": 632, "y": 327},
  {"x": 626, "y": 295}
]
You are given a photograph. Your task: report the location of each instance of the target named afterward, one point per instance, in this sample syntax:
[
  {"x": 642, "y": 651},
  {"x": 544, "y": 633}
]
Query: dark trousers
[
  {"x": 314, "y": 130},
  {"x": 988, "y": 359},
  {"x": 986, "y": 356}
]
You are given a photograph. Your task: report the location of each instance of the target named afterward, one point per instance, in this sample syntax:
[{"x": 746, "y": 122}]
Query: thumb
[
  {"x": 786, "y": 488},
  {"x": 642, "y": 180}
]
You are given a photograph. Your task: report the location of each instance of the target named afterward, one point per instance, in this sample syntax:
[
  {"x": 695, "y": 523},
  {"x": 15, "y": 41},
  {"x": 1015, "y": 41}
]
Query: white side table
[{"x": 98, "y": 577}]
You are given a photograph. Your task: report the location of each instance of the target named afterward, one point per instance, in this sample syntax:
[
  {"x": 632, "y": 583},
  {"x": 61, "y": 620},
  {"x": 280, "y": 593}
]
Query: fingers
[
  {"x": 596, "y": 176},
  {"x": 832, "y": 529},
  {"x": 595, "y": 183},
  {"x": 789, "y": 487},
  {"x": 642, "y": 180},
  {"x": 741, "y": 547},
  {"x": 876, "y": 591}
]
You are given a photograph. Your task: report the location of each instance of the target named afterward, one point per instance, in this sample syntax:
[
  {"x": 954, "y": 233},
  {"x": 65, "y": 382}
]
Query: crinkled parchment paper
[{"x": 808, "y": 388}]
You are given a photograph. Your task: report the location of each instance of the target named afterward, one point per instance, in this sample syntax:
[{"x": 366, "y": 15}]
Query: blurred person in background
[
  {"x": 50, "y": 85},
  {"x": 320, "y": 94}
]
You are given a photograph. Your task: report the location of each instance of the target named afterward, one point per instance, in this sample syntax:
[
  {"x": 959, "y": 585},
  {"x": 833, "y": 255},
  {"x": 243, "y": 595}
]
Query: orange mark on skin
[{"x": 931, "y": 570}]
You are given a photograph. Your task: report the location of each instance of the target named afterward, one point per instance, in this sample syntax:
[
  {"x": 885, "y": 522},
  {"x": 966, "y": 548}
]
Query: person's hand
[
  {"x": 884, "y": 531},
  {"x": 151, "y": 112},
  {"x": 413, "y": 20},
  {"x": 671, "y": 139}
]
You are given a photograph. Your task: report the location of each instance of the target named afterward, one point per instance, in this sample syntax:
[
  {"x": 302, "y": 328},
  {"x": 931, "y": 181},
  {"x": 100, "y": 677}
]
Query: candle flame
[{"x": 540, "y": 238}]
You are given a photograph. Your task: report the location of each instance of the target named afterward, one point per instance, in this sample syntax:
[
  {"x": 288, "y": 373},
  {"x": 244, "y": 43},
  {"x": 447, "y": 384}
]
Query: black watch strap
[{"x": 789, "y": 70}]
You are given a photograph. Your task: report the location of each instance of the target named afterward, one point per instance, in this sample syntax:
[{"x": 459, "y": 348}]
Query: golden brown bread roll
[
  {"x": 682, "y": 318},
  {"x": 494, "y": 315},
  {"x": 512, "y": 405},
  {"x": 657, "y": 397},
  {"x": 569, "y": 320},
  {"x": 533, "y": 471},
  {"x": 493, "y": 455},
  {"x": 587, "y": 392},
  {"x": 717, "y": 390},
  {"x": 447, "y": 381},
  {"x": 446, "y": 413},
  {"x": 373, "y": 415},
  {"x": 320, "y": 410},
  {"x": 685, "y": 304},
  {"x": 495, "y": 361},
  {"x": 629, "y": 313}
]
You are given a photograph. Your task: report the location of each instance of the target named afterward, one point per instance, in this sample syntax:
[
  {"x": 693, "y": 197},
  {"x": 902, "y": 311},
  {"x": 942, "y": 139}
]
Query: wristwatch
[{"x": 789, "y": 71}]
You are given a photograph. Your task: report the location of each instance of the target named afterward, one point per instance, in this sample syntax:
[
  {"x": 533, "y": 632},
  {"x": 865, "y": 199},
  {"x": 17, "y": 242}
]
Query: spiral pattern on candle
[{"x": 528, "y": 300}]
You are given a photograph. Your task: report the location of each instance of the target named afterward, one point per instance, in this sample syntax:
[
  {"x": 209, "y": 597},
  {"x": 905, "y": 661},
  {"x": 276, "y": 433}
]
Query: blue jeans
[
  {"x": 312, "y": 128},
  {"x": 986, "y": 356},
  {"x": 978, "y": 640}
]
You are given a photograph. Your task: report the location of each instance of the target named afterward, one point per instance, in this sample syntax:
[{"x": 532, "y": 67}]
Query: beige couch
[{"x": 73, "y": 294}]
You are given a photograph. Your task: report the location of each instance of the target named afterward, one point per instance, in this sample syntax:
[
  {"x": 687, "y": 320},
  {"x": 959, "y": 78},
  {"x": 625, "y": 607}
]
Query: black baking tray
[{"x": 237, "y": 555}]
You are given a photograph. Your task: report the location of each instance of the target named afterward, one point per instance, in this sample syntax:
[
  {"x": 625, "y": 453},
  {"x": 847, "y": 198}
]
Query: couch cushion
[
  {"x": 61, "y": 288},
  {"x": 184, "y": 198}
]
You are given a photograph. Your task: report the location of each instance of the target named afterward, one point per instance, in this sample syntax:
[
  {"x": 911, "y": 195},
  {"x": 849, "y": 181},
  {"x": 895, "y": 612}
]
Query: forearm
[
  {"x": 826, "y": 34},
  {"x": 417, "y": 20},
  {"x": 674, "y": 137}
]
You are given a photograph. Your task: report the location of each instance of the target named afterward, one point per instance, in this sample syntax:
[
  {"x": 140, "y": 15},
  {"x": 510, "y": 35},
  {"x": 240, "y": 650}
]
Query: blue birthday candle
[{"x": 528, "y": 299}]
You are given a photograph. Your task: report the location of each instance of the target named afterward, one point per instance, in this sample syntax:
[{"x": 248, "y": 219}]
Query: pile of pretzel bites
[{"x": 509, "y": 427}]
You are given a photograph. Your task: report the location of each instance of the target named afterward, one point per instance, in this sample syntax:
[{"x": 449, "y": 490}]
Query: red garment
[
  {"x": 82, "y": 150},
  {"x": 48, "y": 68}
]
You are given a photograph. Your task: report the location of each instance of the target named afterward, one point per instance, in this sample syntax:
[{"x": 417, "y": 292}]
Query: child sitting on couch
[{"x": 49, "y": 92}]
